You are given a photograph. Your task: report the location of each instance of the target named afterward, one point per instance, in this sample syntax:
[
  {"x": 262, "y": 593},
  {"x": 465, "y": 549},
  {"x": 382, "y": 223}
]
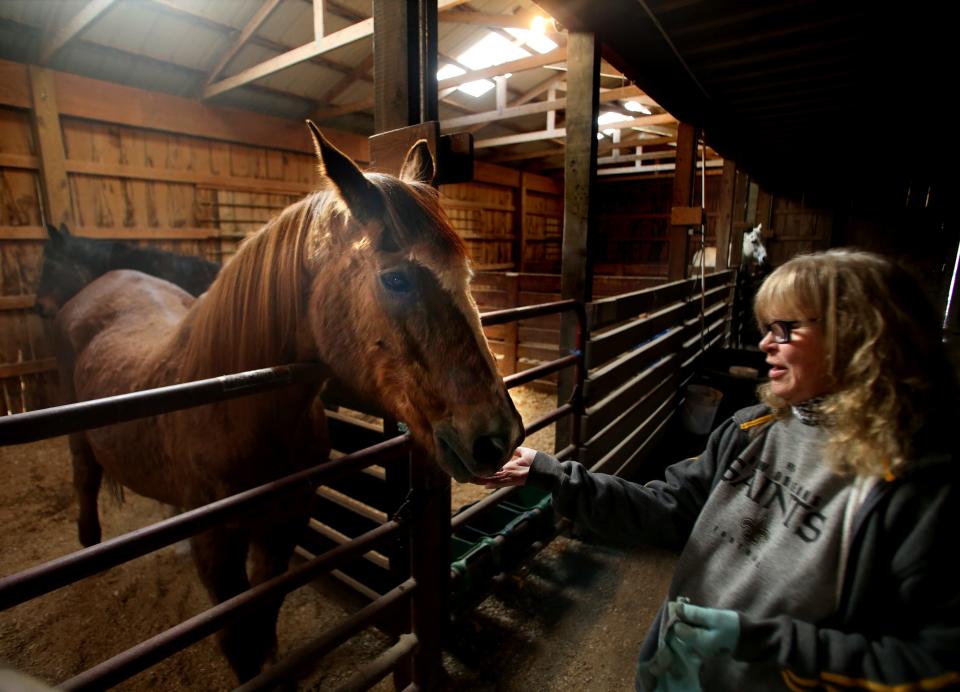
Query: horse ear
[
  {"x": 56, "y": 237},
  {"x": 360, "y": 196},
  {"x": 418, "y": 165},
  {"x": 64, "y": 231}
]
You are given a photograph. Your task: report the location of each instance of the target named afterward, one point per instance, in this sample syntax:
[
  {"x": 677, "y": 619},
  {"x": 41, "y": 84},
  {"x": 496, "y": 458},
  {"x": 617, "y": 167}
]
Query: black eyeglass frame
[{"x": 785, "y": 326}]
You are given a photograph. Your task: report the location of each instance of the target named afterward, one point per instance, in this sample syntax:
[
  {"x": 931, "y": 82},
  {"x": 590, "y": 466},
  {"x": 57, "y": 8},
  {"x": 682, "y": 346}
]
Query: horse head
[
  {"x": 754, "y": 253},
  {"x": 391, "y": 313},
  {"x": 69, "y": 264}
]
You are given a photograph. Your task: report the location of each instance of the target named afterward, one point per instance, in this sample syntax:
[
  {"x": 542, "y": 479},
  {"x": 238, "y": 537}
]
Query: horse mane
[
  {"x": 266, "y": 284},
  {"x": 263, "y": 286}
]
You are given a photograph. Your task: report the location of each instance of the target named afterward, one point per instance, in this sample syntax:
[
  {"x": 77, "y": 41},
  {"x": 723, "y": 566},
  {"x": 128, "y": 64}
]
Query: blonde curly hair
[{"x": 888, "y": 375}]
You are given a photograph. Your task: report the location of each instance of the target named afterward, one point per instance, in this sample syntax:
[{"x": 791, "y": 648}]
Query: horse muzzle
[{"x": 478, "y": 454}]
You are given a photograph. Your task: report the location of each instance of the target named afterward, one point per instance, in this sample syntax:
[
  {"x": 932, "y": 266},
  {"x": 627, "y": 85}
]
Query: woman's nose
[{"x": 766, "y": 341}]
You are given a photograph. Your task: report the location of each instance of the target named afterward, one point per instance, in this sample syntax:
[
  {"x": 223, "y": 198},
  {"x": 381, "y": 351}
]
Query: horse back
[{"x": 113, "y": 324}]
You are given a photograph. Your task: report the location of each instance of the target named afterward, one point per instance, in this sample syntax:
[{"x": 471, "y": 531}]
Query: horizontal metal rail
[
  {"x": 526, "y": 312},
  {"x": 140, "y": 657},
  {"x": 374, "y": 671},
  {"x": 70, "y": 418},
  {"x": 297, "y": 663},
  {"x": 35, "y": 581},
  {"x": 59, "y": 420}
]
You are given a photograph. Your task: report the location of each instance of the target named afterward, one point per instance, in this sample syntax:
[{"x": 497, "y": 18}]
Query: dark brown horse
[
  {"x": 71, "y": 262},
  {"x": 367, "y": 278}
]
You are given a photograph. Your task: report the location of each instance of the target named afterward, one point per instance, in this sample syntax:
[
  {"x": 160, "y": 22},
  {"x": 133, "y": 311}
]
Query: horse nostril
[{"x": 488, "y": 450}]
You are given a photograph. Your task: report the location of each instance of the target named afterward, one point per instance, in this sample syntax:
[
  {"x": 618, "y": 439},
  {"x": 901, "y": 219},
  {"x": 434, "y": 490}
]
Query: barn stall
[{"x": 123, "y": 154}]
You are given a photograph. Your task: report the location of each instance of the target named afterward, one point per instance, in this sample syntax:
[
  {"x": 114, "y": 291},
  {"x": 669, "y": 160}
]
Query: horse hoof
[{"x": 89, "y": 536}]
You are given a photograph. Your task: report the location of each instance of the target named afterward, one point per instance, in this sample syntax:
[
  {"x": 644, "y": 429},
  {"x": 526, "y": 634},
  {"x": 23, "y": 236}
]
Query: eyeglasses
[{"x": 782, "y": 329}]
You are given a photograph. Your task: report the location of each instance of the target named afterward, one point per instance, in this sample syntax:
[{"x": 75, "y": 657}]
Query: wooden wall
[
  {"x": 123, "y": 163},
  {"x": 510, "y": 220}
]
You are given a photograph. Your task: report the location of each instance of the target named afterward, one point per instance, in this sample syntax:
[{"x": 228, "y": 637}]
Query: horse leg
[
  {"x": 220, "y": 555},
  {"x": 87, "y": 474},
  {"x": 271, "y": 547}
]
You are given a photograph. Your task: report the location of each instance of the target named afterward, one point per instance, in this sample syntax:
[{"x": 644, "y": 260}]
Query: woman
[{"x": 815, "y": 529}]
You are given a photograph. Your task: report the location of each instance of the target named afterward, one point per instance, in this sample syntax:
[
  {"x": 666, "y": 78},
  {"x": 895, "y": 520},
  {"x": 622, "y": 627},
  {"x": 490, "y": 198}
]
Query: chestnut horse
[
  {"x": 71, "y": 262},
  {"x": 367, "y": 278}
]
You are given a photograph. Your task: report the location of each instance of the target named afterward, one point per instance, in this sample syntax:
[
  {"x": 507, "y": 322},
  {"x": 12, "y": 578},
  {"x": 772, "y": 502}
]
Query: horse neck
[{"x": 251, "y": 315}]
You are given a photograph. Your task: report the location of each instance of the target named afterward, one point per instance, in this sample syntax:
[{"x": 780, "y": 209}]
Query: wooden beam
[
  {"x": 529, "y": 63},
  {"x": 338, "y": 39},
  {"x": 172, "y": 175},
  {"x": 318, "y": 8},
  {"x": 277, "y": 47},
  {"x": 113, "y": 233},
  {"x": 331, "y": 42},
  {"x": 532, "y": 108},
  {"x": 87, "y": 15},
  {"x": 725, "y": 214},
  {"x": 27, "y": 367},
  {"x": 561, "y": 132},
  {"x": 683, "y": 188},
  {"x": 91, "y": 99},
  {"x": 256, "y": 21},
  {"x": 49, "y": 138},
  {"x": 21, "y": 302}
]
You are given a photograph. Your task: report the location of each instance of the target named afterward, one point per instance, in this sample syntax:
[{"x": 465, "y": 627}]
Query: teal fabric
[
  {"x": 707, "y": 631},
  {"x": 690, "y": 634}
]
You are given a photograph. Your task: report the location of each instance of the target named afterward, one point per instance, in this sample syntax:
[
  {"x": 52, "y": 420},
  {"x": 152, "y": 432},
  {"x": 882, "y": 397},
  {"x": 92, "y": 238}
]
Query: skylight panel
[
  {"x": 535, "y": 39},
  {"x": 492, "y": 49}
]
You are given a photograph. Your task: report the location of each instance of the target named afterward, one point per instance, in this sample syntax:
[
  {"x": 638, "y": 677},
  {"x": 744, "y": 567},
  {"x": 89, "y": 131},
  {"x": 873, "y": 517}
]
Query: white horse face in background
[{"x": 754, "y": 251}]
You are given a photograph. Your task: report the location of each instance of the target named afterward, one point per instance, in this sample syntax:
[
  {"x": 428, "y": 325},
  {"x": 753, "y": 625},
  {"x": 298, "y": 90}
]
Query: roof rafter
[
  {"x": 73, "y": 28},
  {"x": 355, "y": 32},
  {"x": 258, "y": 18}
]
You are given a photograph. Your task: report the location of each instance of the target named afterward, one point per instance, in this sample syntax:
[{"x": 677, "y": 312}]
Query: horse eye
[{"x": 396, "y": 282}]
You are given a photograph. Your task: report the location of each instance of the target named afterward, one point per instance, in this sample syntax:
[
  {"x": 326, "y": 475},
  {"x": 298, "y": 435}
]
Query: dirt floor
[{"x": 571, "y": 618}]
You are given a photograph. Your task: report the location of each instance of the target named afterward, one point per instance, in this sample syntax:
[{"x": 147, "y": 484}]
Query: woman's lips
[{"x": 776, "y": 371}]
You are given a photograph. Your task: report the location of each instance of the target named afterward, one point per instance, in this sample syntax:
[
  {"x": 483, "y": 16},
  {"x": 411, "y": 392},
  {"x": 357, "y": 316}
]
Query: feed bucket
[{"x": 700, "y": 408}]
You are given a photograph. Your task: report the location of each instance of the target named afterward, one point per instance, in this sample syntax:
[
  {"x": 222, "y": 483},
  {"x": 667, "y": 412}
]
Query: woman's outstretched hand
[{"x": 514, "y": 472}]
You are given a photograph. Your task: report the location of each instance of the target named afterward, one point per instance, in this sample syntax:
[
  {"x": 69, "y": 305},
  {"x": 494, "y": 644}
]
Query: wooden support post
[
  {"x": 405, "y": 94},
  {"x": 580, "y": 172},
  {"x": 521, "y": 225},
  {"x": 725, "y": 214},
  {"x": 53, "y": 160},
  {"x": 683, "y": 189}
]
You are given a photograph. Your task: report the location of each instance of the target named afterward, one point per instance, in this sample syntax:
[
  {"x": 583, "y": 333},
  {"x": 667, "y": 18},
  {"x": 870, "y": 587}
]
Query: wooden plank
[
  {"x": 20, "y": 302},
  {"x": 46, "y": 115},
  {"x": 604, "y": 380},
  {"x": 94, "y": 99},
  {"x": 15, "y": 85},
  {"x": 604, "y": 348},
  {"x": 77, "y": 24},
  {"x": 686, "y": 216},
  {"x": 617, "y": 460},
  {"x": 496, "y": 175},
  {"x": 19, "y": 161},
  {"x": 601, "y": 443},
  {"x": 630, "y": 467},
  {"x": 188, "y": 176},
  {"x": 607, "y": 311},
  {"x": 27, "y": 367},
  {"x": 541, "y": 183}
]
